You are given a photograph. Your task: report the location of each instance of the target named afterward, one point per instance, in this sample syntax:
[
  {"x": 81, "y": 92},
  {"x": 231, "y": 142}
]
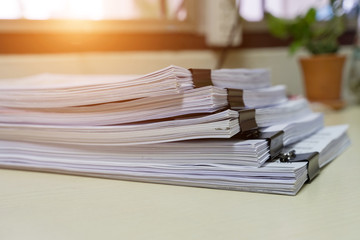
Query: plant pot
[{"x": 323, "y": 79}]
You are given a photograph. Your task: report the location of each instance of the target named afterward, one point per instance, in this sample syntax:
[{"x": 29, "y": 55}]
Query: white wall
[{"x": 284, "y": 68}]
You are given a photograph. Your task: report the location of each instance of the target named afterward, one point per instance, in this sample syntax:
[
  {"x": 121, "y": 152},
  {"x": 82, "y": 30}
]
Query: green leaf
[
  {"x": 294, "y": 46},
  {"x": 305, "y": 31},
  {"x": 277, "y": 26},
  {"x": 310, "y": 16}
]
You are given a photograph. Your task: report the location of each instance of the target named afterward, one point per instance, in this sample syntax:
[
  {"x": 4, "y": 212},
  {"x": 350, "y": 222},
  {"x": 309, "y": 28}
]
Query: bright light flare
[
  {"x": 52, "y": 9},
  {"x": 86, "y": 9}
]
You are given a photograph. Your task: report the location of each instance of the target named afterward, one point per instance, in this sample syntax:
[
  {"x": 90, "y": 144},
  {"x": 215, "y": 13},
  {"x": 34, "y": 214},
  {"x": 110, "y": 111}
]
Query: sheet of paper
[
  {"x": 264, "y": 97},
  {"x": 329, "y": 142},
  {"x": 195, "y": 152},
  {"x": 285, "y": 178},
  {"x": 70, "y": 90},
  {"x": 219, "y": 125},
  {"x": 240, "y": 78},
  {"x": 298, "y": 128},
  {"x": 195, "y": 101},
  {"x": 282, "y": 113}
]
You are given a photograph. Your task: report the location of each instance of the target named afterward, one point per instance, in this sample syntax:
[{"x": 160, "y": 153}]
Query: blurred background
[{"x": 140, "y": 36}]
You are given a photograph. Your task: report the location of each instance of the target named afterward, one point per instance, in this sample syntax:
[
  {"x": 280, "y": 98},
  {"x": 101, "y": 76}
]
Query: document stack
[{"x": 224, "y": 129}]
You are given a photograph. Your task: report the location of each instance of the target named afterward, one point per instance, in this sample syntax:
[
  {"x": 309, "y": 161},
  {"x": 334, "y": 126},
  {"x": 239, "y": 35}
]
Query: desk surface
[{"x": 53, "y": 206}]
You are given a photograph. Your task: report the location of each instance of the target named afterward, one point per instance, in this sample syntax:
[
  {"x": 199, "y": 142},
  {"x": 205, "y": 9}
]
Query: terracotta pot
[{"x": 323, "y": 79}]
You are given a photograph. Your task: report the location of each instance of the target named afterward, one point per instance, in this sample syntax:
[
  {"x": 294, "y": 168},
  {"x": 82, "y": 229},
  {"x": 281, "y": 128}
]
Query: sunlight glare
[
  {"x": 40, "y": 9},
  {"x": 52, "y": 9},
  {"x": 86, "y": 9},
  {"x": 251, "y": 10},
  {"x": 9, "y": 10}
]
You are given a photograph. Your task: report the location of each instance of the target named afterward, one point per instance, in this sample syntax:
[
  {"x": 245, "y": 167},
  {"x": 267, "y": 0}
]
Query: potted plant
[{"x": 322, "y": 71}]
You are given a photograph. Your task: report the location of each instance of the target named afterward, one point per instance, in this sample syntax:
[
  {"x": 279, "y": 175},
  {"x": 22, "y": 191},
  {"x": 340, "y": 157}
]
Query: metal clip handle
[{"x": 285, "y": 157}]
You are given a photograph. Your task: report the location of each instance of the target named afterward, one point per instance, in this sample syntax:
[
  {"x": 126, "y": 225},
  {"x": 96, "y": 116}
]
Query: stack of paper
[
  {"x": 230, "y": 165},
  {"x": 264, "y": 97},
  {"x": 240, "y": 78},
  {"x": 254, "y": 85},
  {"x": 158, "y": 128},
  {"x": 56, "y": 91},
  {"x": 195, "y": 152},
  {"x": 282, "y": 113},
  {"x": 298, "y": 129},
  {"x": 201, "y": 100},
  {"x": 330, "y": 142},
  {"x": 220, "y": 125}
]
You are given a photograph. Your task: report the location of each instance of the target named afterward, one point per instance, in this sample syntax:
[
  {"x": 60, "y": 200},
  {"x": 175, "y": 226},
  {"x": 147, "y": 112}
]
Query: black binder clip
[
  {"x": 247, "y": 120},
  {"x": 274, "y": 139},
  {"x": 312, "y": 160},
  {"x": 201, "y": 77},
  {"x": 235, "y": 98}
]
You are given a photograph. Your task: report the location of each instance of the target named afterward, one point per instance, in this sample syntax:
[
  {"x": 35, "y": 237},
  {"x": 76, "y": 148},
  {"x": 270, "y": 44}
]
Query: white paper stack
[
  {"x": 198, "y": 163},
  {"x": 157, "y": 128},
  {"x": 201, "y": 100},
  {"x": 111, "y": 110},
  {"x": 190, "y": 153},
  {"x": 215, "y": 164},
  {"x": 282, "y": 113},
  {"x": 240, "y": 78},
  {"x": 255, "y": 84},
  {"x": 330, "y": 142},
  {"x": 281, "y": 178},
  {"x": 56, "y": 91},
  {"x": 298, "y": 129},
  {"x": 264, "y": 97},
  {"x": 219, "y": 125}
]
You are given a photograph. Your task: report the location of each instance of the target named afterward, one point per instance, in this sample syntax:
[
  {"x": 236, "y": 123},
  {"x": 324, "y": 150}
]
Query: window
[
  {"x": 253, "y": 11},
  {"x": 92, "y": 9},
  {"x": 51, "y": 26},
  {"x": 85, "y": 15}
]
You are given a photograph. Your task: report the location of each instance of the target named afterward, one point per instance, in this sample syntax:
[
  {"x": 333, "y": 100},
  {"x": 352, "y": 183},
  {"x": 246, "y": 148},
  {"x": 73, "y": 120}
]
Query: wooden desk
[{"x": 50, "y": 206}]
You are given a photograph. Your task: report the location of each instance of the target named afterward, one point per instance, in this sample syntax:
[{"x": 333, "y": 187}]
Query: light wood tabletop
[{"x": 53, "y": 206}]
